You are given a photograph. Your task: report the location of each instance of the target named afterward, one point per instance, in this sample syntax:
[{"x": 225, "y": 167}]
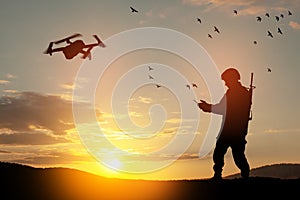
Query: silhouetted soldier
[{"x": 235, "y": 108}]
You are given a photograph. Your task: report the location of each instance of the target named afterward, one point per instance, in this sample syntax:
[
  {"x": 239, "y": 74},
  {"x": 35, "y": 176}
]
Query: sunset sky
[{"x": 44, "y": 122}]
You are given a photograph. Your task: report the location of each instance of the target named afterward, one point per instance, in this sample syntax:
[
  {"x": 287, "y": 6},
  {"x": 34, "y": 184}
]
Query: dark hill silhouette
[
  {"x": 282, "y": 171},
  {"x": 24, "y": 182}
]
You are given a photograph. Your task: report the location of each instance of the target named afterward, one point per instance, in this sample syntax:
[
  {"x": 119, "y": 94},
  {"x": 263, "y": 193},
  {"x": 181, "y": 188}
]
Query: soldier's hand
[
  {"x": 204, "y": 106},
  {"x": 201, "y": 104}
]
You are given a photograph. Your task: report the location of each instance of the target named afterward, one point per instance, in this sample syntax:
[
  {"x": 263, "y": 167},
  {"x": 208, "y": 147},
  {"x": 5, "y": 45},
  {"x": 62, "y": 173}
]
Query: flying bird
[
  {"x": 209, "y": 35},
  {"x": 277, "y": 18},
  {"x": 269, "y": 70},
  {"x": 281, "y": 15},
  {"x": 216, "y": 29},
  {"x": 267, "y": 14},
  {"x": 254, "y": 42},
  {"x": 199, "y": 20},
  {"x": 151, "y": 77},
  {"x": 270, "y": 34},
  {"x": 194, "y": 85},
  {"x": 258, "y": 18},
  {"x": 133, "y": 9},
  {"x": 235, "y": 12},
  {"x": 279, "y": 31},
  {"x": 158, "y": 86},
  {"x": 289, "y": 13},
  {"x": 150, "y": 68},
  {"x": 188, "y": 86}
]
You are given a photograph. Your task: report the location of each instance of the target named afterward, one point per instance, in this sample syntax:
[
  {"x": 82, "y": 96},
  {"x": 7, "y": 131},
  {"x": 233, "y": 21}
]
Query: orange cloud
[
  {"x": 4, "y": 82},
  {"x": 11, "y": 91},
  {"x": 68, "y": 86},
  {"x": 294, "y": 25}
]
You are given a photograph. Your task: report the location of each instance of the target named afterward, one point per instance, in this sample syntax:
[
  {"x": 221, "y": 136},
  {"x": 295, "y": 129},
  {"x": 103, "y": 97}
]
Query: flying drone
[{"x": 74, "y": 48}]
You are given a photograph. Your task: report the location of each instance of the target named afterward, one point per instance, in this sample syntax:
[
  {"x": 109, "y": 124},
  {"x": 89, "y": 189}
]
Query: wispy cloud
[
  {"x": 4, "y": 82},
  {"x": 275, "y": 131},
  {"x": 108, "y": 116},
  {"x": 252, "y": 7},
  {"x": 22, "y": 138},
  {"x": 66, "y": 96},
  {"x": 7, "y": 76},
  {"x": 189, "y": 156},
  {"x": 174, "y": 120},
  {"x": 144, "y": 99},
  {"x": 10, "y": 76},
  {"x": 22, "y": 111},
  {"x": 3, "y": 151},
  {"x": 196, "y": 2},
  {"x": 219, "y": 3},
  {"x": 51, "y": 156},
  {"x": 68, "y": 86},
  {"x": 158, "y": 157},
  {"x": 11, "y": 91},
  {"x": 158, "y": 13},
  {"x": 294, "y": 25}
]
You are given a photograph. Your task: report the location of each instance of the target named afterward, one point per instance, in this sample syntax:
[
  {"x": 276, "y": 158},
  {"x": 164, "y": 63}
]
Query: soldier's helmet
[{"x": 231, "y": 74}]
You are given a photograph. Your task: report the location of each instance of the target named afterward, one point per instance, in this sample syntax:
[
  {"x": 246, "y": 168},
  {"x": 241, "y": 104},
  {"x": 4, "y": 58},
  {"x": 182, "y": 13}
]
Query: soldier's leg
[
  {"x": 218, "y": 158},
  {"x": 238, "y": 152}
]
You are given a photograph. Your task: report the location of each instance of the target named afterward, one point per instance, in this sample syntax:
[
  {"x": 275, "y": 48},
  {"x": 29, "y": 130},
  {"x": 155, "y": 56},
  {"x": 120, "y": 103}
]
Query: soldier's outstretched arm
[{"x": 219, "y": 108}]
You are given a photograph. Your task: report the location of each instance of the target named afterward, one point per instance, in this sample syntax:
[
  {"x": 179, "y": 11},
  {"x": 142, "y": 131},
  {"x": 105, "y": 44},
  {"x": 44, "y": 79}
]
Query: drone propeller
[
  {"x": 87, "y": 54},
  {"x": 49, "y": 49},
  {"x": 67, "y": 39}
]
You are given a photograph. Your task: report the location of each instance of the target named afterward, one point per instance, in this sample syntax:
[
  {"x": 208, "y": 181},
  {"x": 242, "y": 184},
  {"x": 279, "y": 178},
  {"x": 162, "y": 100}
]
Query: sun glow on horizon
[{"x": 115, "y": 163}]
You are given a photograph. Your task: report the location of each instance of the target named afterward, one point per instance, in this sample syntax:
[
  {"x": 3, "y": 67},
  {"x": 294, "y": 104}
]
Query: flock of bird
[
  {"x": 259, "y": 19},
  {"x": 151, "y": 77},
  {"x": 217, "y": 30},
  {"x": 277, "y": 18},
  {"x": 269, "y": 33},
  {"x": 194, "y": 85},
  {"x": 133, "y": 10}
]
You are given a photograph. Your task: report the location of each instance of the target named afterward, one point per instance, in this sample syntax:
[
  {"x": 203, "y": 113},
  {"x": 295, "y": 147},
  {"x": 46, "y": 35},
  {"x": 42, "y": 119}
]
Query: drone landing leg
[{"x": 87, "y": 53}]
